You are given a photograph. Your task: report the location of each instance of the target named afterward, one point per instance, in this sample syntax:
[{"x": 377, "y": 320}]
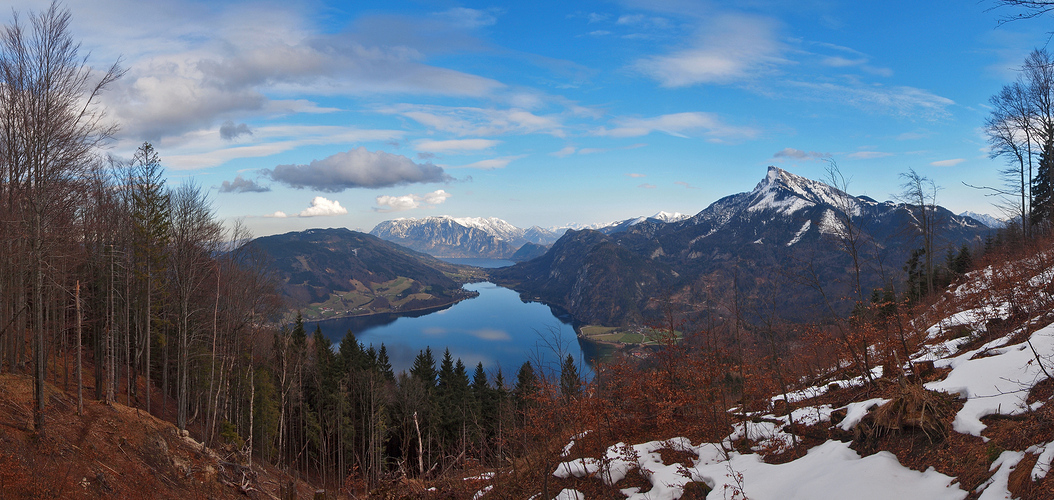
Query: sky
[{"x": 301, "y": 114}]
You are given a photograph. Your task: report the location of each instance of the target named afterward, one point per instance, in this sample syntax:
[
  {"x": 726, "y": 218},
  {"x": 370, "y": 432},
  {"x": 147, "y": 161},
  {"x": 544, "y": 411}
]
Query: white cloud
[
  {"x": 564, "y": 152},
  {"x": 456, "y": 145},
  {"x": 797, "y": 154},
  {"x": 210, "y": 63},
  {"x": 322, "y": 207},
  {"x": 357, "y": 168},
  {"x": 636, "y": 175},
  {"x": 479, "y": 121},
  {"x": 205, "y": 148},
  {"x": 468, "y": 18},
  {"x": 948, "y": 163},
  {"x": 646, "y": 186},
  {"x": 279, "y": 215},
  {"x": 868, "y": 155},
  {"x": 491, "y": 164},
  {"x": 680, "y": 125},
  {"x": 729, "y": 48},
  {"x": 410, "y": 201},
  {"x": 895, "y": 100}
]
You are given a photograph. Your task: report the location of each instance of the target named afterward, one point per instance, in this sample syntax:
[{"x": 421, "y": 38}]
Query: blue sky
[{"x": 344, "y": 114}]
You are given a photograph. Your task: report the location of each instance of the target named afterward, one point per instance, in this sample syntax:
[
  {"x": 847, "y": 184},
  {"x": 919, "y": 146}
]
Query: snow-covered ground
[{"x": 992, "y": 379}]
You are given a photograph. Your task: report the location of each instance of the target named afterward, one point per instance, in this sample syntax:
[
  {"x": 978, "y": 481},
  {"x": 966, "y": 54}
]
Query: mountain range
[
  {"x": 490, "y": 237},
  {"x": 779, "y": 245}
]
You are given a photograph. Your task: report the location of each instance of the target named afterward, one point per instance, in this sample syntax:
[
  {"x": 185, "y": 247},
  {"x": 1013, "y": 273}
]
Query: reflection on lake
[{"x": 495, "y": 328}]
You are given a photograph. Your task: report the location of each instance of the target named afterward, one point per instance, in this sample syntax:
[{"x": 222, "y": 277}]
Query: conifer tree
[
  {"x": 570, "y": 382},
  {"x": 1042, "y": 199}
]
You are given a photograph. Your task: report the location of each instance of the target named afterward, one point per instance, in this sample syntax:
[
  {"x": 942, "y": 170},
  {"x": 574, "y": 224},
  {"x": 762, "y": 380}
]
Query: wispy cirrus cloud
[
  {"x": 728, "y": 48},
  {"x": 455, "y": 145},
  {"x": 486, "y": 122},
  {"x": 206, "y": 148},
  {"x": 868, "y": 155},
  {"x": 948, "y": 163},
  {"x": 707, "y": 125},
  {"x": 797, "y": 154},
  {"x": 882, "y": 99},
  {"x": 491, "y": 163}
]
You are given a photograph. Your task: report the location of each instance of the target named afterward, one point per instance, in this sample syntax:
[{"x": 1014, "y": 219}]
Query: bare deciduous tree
[{"x": 51, "y": 128}]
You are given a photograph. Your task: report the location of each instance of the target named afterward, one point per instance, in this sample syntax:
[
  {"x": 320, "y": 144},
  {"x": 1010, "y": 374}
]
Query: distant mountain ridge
[
  {"x": 988, "y": 220},
  {"x": 785, "y": 229},
  {"x": 486, "y": 237}
]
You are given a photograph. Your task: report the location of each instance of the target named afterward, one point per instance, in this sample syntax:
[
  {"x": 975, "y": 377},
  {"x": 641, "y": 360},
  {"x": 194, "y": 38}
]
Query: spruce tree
[
  {"x": 1042, "y": 199},
  {"x": 424, "y": 368},
  {"x": 570, "y": 383},
  {"x": 384, "y": 365}
]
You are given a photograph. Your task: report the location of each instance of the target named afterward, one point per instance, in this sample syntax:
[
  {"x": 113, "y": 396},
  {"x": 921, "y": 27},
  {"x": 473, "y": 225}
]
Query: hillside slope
[
  {"x": 116, "y": 452},
  {"x": 338, "y": 272},
  {"x": 969, "y": 414}
]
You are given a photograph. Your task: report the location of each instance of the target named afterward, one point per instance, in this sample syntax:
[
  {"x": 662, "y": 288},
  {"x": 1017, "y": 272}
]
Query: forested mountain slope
[
  {"x": 792, "y": 236},
  {"x": 331, "y": 272}
]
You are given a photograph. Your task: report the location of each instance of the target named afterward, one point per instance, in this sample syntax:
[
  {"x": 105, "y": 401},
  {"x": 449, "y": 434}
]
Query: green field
[
  {"x": 626, "y": 335},
  {"x": 361, "y": 300}
]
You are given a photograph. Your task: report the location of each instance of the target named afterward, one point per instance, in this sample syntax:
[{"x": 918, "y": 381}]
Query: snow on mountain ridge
[{"x": 787, "y": 193}]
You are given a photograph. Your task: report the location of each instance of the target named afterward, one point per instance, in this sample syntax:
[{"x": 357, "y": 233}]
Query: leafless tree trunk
[{"x": 52, "y": 127}]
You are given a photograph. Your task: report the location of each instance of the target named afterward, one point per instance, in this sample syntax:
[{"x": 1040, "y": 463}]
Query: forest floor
[{"x": 115, "y": 451}]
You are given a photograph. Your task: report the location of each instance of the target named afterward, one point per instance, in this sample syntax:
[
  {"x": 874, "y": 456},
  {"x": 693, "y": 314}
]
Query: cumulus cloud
[
  {"x": 242, "y": 185},
  {"x": 278, "y": 215},
  {"x": 354, "y": 169},
  {"x": 730, "y": 48},
  {"x": 453, "y": 146},
  {"x": 322, "y": 207},
  {"x": 797, "y": 154},
  {"x": 208, "y": 68},
  {"x": 410, "y": 201},
  {"x": 948, "y": 163},
  {"x": 229, "y": 131},
  {"x": 680, "y": 125},
  {"x": 636, "y": 175},
  {"x": 646, "y": 186}
]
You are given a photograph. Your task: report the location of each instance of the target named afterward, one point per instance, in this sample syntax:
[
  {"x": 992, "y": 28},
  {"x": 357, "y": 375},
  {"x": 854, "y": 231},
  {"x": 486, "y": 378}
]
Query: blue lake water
[
  {"x": 495, "y": 328},
  {"x": 484, "y": 263}
]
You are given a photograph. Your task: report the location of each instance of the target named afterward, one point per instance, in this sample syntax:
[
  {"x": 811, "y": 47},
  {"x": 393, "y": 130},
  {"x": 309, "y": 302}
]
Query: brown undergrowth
[{"x": 114, "y": 451}]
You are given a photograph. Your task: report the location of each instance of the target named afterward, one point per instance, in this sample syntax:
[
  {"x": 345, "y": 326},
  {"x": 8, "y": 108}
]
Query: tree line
[{"x": 112, "y": 280}]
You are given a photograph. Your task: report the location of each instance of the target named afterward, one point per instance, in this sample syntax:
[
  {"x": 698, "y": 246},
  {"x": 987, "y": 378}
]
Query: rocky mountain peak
[{"x": 786, "y": 193}]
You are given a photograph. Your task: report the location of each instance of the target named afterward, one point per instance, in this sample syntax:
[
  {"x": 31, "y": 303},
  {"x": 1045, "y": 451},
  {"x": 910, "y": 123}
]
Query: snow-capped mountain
[
  {"x": 488, "y": 237},
  {"x": 787, "y": 227},
  {"x": 659, "y": 218},
  {"x": 988, "y": 220},
  {"x": 471, "y": 237}
]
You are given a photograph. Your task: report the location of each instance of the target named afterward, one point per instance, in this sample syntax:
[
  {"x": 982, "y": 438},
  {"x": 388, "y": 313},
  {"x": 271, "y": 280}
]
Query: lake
[
  {"x": 495, "y": 328},
  {"x": 484, "y": 263}
]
